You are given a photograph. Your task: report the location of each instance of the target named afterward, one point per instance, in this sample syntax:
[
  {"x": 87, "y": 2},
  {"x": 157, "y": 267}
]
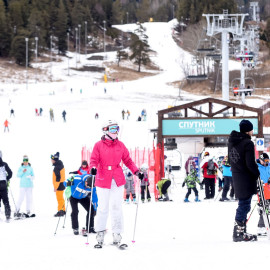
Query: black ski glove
[
  {"x": 183, "y": 184},
  {"x": 93, "y": 171},
  {"x": 75, "y": 172},
  {"x": 140, "y": 175}
]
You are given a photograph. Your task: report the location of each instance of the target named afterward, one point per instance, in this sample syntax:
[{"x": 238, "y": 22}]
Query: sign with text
[{"x": 200, "y": 126}]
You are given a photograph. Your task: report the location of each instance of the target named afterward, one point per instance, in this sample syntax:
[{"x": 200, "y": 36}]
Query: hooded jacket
[
  {"x": 106, "y": 157},
  {"x": 241, "y": 156},
  {"x": 5, "y": 171},
  {"x": 264, "y": 172},
  {"x": 58, "y": 175}
]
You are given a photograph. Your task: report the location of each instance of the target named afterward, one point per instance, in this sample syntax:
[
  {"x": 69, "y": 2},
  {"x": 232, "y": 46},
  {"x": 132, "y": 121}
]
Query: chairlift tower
[
  {"x": 225, "y": 23},
  {"x": 255, "y": 11}
]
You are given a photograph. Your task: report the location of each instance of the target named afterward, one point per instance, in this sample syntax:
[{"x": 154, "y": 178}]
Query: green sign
[{"x": 204, "y": 126}]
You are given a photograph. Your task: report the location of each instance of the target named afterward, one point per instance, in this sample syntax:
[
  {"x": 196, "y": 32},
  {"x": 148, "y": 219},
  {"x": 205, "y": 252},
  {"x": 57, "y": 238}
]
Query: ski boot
[
  {"x": 134, "y": 201},
  {"x": 240, "y": 234},
  {"x": 166, "y": 197},
  {"x": 84, "y": 232},
  {"x": 149, "y": 199},
  {"x": 197, "y": 199},
  {"x": 92, "y": 230},
  {"x": 76, "y": 231},
  {"x": 186, "y": 200},
  {"x": 116, "y": 238},
  {"x": 60, "y": 213},
  {"x": 100, "y": 239},
  {"x": 142, "y": 200},
  {"x": 127, "y": 201}
]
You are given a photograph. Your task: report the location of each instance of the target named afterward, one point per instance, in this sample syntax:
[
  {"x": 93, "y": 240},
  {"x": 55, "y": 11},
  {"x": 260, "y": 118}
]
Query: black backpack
[{"x": 211, "y": 168}]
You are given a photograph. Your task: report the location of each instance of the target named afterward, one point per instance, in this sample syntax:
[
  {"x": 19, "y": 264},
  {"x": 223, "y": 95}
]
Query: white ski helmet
[
  {"x": 144, "y": 167},
  {"x": 105, "y": 126}
]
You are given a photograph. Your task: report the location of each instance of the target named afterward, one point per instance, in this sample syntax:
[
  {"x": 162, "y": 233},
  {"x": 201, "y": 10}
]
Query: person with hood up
[
  {"x": 245, "y": 173},
  {"x": 58, "y": 183},
  {"x": 110, "y": 180}
]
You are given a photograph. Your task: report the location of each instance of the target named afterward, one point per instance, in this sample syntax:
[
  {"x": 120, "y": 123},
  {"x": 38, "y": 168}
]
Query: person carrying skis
[
  {"x": 58, "y": 183},
  {"x": 163, "y": 186},
  {"x": 129, "y": 186},
  {"x": 26, "y": 174},
  {"x": 191, "y": 180},
  {"x": 263, "y": 165},
  {"x": 5, "y": 176},
  {"x": 145, "y": 184},
  {"x": 245, "y": 173},
  {"x": 78, "y": 191},
  {"x": 84, "y": 169},
  {"x": 105, "y": 164}
]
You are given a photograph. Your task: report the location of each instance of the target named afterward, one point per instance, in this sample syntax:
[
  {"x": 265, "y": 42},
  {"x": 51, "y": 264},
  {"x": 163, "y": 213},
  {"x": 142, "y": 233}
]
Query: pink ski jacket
[{"x": 106, "y": 157}]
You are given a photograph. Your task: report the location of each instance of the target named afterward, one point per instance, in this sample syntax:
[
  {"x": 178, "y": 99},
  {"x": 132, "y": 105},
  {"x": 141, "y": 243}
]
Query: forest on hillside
[{"x": 63, "y": 21}]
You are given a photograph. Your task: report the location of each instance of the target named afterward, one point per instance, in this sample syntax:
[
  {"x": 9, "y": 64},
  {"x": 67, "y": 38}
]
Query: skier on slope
[
  {"x": 263, "y": 165},
  {"x": 129, "y": 186},
  {"x": 145, "y": 183},
  {"x": 5, "y": 176},
  {"x": 78, "y": 191},
  {"x": 162, "y": 187},
  {"x": 245, "y": 173},
  {"x": 105, "y": 164},
  {"x": 26, "y": 174},
  {"x": 191, "y": 180}
]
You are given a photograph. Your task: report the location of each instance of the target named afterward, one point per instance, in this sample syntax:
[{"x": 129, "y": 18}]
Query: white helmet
[
  {"x": 144, "y": 167},
  {"x": 105, "y": 126}
]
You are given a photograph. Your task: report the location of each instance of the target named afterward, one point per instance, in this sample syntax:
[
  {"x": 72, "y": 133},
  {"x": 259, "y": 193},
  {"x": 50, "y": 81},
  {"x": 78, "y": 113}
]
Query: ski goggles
[
  {"x": 25, "y": 160},
  {"x": 113, "y": 129}
]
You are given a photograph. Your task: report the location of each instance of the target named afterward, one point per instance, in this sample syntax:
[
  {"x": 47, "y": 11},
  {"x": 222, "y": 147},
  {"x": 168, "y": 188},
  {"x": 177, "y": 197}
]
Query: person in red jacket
[
  {"x": 110, "y": 180},
  {"x": 84, "y": 169},
  {"x": 6, "y": 123},
  {"x": 209, "y": 169}
]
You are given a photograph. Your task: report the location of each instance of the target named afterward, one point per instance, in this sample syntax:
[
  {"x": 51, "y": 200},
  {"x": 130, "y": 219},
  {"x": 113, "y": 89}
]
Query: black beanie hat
[
  {"x": 245, "y": 126},
  {"x": 55, "y": 156},
  {"x": 264, "y": 156}
]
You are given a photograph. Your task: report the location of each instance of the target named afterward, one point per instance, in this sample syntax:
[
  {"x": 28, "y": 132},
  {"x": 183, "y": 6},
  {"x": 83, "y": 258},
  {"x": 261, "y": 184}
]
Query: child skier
[
  {"x": 84, "y": 169},
  {"x": 263, "y": 165},
  {"x": 145, "y": 184},
  {"x": 79, "y": 191},
  {"x": 191, "y": 180},
  {"x": 130, "y": 186},
  {"x": 162, "y": 187}
]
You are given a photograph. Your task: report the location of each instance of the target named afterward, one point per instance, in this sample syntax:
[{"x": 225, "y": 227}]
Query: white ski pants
[
  {"x": 25, "y": 192},
  {"x": 110, "y": 200}
]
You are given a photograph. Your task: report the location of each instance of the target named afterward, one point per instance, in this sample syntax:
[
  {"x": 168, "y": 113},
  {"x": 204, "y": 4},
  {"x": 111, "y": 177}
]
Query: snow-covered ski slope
[{"x": 171, "y": 235}]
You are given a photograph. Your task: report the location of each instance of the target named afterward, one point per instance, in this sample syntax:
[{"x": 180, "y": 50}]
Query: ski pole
[
  {"x": 133, "y": 241},
  {"x": 58, "y": 221},
  {"x": 13, "y": 199},
  {"x": 251, "y": 212},
  {"x": 66, "y": 214},
  {"x": 90, "y": 208}
]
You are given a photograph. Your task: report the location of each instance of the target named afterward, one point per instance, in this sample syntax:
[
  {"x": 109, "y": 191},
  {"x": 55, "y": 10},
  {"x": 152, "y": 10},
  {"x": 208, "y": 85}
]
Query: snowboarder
[
  {"x": 163, "y": 186},
  {"x": 6, "y": 123},
  {"x": 245, "y": 173},
  {"x": 26, "y": 174},
  {"x": 145, "y": 183},
  {"x": 51, "y": 115},
  {"x": 64, "y": 115},
  {"x": 110, "y": 180},
  {"x": 40, "y": 111},
  {"x": 191, "y": 180},
  {"x": 5, "y": 176},
  {"x": 263, "y": 165},
  {"x": 129, "y": 186},
  {"x": 58, "y": 183},
  {"x": 84, "y": 169},
  {"x": 78, "y": 191}
]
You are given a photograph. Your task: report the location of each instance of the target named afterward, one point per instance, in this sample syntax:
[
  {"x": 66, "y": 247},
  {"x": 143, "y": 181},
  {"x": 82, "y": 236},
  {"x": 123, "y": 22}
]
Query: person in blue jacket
[
  {"x": 227, "y": 175},
  {"x": 26, "y": 174},
  {"x": 264, "y": 168},
  {"x": 79, "y": 191}
]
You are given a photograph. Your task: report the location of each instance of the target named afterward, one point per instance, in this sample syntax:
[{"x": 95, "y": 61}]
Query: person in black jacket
[
  {"x": 245, "y": 173},
  {"x": 5, "y": 175}
]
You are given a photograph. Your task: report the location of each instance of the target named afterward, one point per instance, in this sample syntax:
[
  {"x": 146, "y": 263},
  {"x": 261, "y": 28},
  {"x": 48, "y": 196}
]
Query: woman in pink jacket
[{"x": 110, "y": 180}]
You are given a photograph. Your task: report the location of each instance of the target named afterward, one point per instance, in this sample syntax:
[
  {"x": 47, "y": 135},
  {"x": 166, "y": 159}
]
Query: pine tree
[
  {"x": 267, "y": 33},
  {"x": 121, "y": 55},
  {"x": 139, "y": 47},
  {"x": 5, "y": 33},
  {"x": 142, "y": 12},
  {"x": 117, "y": 12}
]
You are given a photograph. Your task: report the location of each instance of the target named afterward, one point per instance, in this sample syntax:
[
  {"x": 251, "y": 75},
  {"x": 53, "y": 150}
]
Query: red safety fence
[{"x": 153, "y": 158}]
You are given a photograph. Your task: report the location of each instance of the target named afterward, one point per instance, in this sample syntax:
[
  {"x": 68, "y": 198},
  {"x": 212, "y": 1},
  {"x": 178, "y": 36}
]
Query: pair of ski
[
  {"x": 119, "y": 246},
  {"x": 24, "y": 215},
  {"x": 263, "y": 206}
]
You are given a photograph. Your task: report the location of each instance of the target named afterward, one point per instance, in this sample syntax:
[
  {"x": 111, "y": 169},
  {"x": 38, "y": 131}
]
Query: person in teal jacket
[
  {"x": 264, "y": 168},
  {"x": 26, "y": 174}
]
